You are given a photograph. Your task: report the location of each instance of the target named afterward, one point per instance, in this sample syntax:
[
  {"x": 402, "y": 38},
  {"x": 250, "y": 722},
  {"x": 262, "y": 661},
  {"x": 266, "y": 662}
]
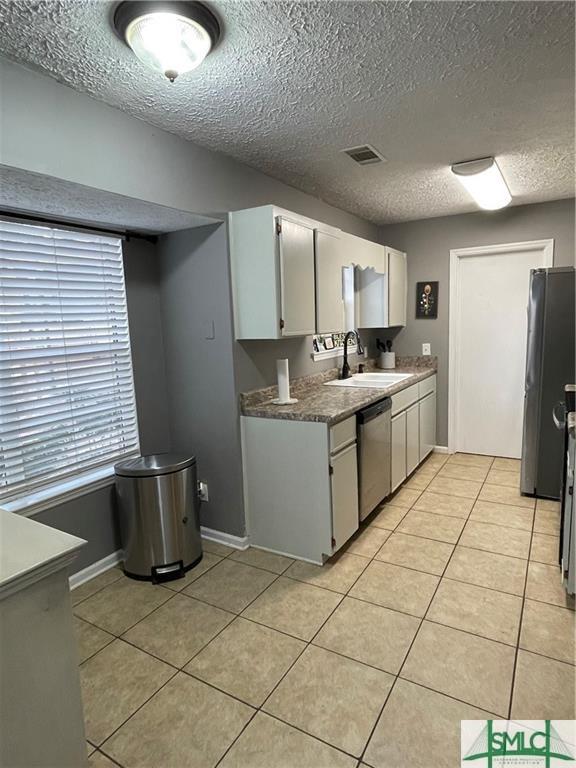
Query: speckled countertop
[{"x": 317, "y": 402}]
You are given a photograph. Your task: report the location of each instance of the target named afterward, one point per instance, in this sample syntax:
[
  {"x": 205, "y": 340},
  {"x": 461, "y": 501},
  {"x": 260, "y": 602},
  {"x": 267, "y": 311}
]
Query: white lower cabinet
[
  {"x": 412, "y": 438},
  {"x": 301, "y": 477},
  {"x": 427, "y": 424},
  {"x": 413, "y": 428},
  {"x": 398, "y": 469},
  {"x": 344, "y": 495},
  {"x": 300, "y": 485}
]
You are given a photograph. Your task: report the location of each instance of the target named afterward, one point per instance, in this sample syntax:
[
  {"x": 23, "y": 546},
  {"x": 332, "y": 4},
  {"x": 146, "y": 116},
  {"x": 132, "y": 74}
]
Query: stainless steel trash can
[{"x": 159, "y": 515}]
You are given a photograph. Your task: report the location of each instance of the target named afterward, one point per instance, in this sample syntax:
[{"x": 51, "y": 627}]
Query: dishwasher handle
[{"x": 373, "y": 411}]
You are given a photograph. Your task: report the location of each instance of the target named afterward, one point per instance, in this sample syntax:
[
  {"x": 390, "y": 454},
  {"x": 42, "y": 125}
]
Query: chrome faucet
[{"x": 345, "y": 372}]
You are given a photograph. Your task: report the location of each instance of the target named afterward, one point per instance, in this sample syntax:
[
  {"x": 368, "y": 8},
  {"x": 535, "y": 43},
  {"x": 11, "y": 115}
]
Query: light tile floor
[{"x": 446, "y": 606}]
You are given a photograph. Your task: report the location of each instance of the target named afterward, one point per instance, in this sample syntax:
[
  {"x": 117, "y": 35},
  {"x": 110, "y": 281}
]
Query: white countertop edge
[{"x": 30, "y": 551}]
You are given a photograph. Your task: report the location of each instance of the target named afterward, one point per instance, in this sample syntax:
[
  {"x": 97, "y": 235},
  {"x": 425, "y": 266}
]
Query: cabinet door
[
  {"x": 330, "y": 315},
  {"x": 363, "y": 253},
  {"x": 397, "y": 287},
  {"x": 371, "y": 297},
  {"x": 412, "y": 438},
  {"x": 398, "y": 450},
  {"x": 427, "y": 425},
  {"x": 344, "y": 495},
  {"x": 296, "y": 249}
]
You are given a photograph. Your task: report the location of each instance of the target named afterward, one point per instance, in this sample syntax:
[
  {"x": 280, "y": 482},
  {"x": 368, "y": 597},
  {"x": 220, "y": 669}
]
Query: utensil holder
[{"x": 387, "y": 360}]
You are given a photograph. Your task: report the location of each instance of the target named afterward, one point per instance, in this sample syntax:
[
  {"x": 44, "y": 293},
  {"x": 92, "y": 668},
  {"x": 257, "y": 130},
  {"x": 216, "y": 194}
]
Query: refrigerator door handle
[{"x": 559, "y": 415}]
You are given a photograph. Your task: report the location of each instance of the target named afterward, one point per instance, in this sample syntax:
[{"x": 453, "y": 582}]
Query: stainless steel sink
[{"x": 372, "y": 380}]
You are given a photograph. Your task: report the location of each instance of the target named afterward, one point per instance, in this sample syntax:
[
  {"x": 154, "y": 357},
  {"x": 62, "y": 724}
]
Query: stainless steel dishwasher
[{"x": 374, "y": 455}]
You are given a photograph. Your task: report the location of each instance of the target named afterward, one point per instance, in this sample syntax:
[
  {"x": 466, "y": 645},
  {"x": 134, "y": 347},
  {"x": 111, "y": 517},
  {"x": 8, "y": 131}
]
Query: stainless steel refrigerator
[{"x": 550, "y": 362}]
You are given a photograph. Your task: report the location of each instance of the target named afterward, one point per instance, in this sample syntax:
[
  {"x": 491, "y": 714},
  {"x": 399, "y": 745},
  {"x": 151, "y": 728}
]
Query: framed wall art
[{"x": 427, "y": 300}]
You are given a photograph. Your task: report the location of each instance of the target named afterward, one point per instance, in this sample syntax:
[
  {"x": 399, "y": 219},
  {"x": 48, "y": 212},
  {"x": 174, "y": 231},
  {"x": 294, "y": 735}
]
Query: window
[{"x": 67, "y": 402}]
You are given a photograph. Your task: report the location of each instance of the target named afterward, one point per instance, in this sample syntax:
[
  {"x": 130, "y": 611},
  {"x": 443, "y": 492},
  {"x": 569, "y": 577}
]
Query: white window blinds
[{"x": 66, "y": 389}]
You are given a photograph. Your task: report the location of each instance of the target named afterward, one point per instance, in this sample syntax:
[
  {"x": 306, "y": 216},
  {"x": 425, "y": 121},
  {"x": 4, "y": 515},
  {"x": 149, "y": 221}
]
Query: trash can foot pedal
[{"x": 168, "y": 572}]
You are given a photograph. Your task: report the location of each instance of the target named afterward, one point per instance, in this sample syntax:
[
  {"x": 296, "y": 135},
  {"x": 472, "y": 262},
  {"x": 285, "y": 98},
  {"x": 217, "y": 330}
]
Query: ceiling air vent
[{"x": 364, "y": 155}]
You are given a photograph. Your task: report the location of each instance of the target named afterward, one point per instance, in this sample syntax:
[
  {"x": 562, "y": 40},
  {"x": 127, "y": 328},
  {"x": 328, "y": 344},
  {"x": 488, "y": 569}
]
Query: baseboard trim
[
  {"x": 286, "y": 554},
  {"x": 237, "y": 542},
  {"x": 95, "y": 569},
  {"x": 441, "y": 449}
]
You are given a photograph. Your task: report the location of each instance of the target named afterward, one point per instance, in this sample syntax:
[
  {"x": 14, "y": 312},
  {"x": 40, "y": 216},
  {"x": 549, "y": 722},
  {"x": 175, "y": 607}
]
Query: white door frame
[{"x": 547, "y": 249}]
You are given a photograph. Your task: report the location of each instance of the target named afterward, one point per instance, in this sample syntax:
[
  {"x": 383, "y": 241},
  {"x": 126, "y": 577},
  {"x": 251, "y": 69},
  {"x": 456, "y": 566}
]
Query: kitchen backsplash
[{"x": 256, "y": 396}]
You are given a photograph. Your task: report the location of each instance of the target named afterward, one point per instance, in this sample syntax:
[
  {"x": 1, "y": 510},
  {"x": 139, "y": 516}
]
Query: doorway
[{"x": 487, "y": 344}]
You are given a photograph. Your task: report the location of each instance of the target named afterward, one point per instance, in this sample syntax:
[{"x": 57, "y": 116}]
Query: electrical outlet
[
  {"x": 426, "y": 349},
  {"x": 203, "y": 491}
]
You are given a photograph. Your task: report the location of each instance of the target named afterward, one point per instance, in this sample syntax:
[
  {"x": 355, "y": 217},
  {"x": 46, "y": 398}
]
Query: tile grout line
[
  {"x": 466, "y": 546},
  {"x": 83, "y": 600},
  {"x": 389, "y": 694},
  {"x": 311, "y": 641},
  {"x": 99, "y": 751},
  {"x": 172, "y": 593},
  {"x": 416, "y": 634},
  {"x": 179, "y": 670},
  {"x": 122, "y": 574},
  {"x": 307, "y": 645},
  {"x": 176, "y": 669},
  {"x": 236, "y": 616},
  {"x": 103, "y": 743},
  {"x": 514, "y": 668}
]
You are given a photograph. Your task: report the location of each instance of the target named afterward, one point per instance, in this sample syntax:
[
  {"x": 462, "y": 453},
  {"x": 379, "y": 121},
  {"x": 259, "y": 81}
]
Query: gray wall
[
  {"x": 206, "y": 375},
  {"x": 45, "y": 128},
  {"x": 255, "y": 361},
  {"x": 428, "y": 243},
  {"x": 92, "y": 517},
  {"x": 196, "y": 304},
  {"x": 142, "y": 273}
]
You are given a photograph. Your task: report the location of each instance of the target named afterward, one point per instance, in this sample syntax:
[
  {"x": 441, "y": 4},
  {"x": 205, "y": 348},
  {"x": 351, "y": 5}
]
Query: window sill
[{"x": 60, "y": 493}]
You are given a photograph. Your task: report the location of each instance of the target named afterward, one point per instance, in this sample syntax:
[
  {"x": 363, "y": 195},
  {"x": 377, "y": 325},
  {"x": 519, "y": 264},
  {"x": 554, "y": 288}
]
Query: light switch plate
[{"x": 426, "y": 349}]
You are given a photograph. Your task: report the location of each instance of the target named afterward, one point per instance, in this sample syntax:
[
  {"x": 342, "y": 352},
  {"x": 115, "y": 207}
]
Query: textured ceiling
[
  {"x": 46, "y": 196},
  {"x": 292, "y": 83}
]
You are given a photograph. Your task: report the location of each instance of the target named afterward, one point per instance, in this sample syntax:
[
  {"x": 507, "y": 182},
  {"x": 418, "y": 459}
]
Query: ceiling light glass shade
[
  {"x": 483, "y": 180},
  {"x": 171, "y": 37},
  {"x": 168, "y": 43}
]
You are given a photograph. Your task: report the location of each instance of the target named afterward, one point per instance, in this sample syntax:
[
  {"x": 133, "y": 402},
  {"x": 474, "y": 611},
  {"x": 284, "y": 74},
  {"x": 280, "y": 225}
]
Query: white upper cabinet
[
  {"x": 296, "y": 250},
  {"x": 272, "y": 265},
  {"x": 344, "y": 299},
  {"x": 293, "y": 276},
  {"x": 397, "y": 287},
  {"x": 380, "y": 285},
  {"x": 371, "y": 290},
  {"x": 370, "y": 281},
  {"x": 330, "y": 307},
  {"x": 362, "y": 253}
]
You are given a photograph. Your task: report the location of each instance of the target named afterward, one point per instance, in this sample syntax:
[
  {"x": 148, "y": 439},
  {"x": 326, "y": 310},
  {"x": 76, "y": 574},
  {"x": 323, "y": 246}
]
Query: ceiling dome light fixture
[
  {"x": 169, "y": 37},
  {"x": 484, "y": 181}
]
